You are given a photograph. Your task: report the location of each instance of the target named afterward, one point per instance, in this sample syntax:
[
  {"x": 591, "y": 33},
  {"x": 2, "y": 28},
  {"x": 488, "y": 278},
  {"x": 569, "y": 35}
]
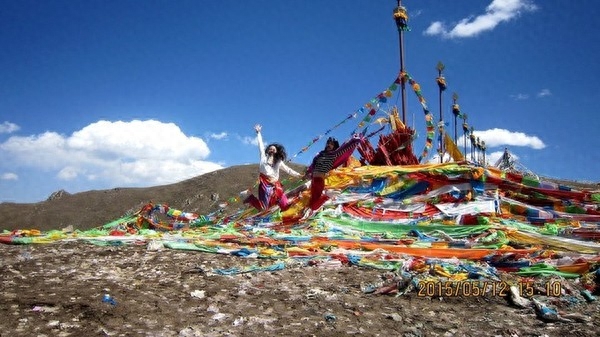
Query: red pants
[
  {"x": 317, "y": 186},
  {"x": 269, "y": 194}
]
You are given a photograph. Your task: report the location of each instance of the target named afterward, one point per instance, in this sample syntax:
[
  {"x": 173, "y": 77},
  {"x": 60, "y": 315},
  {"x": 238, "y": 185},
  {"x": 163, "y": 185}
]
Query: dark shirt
[{"x": 326, "y": 161}]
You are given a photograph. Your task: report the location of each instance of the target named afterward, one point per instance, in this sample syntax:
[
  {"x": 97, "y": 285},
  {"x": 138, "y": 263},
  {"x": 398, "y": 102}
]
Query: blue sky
[{"x": 103, "y": 94}]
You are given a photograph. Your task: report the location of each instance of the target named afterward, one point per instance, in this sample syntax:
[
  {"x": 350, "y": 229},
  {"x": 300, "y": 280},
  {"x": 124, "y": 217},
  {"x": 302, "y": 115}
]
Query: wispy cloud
[
  {"x": 249, "y": 140},
  {"x": 541, "y": 94},
  {"x": 416, "y": 13},
  {"x": 7, "y": 127},
  {"x": 544, "y": 93},
  {"x": 520, "y": 97},
  {"x": 9, "y": 176},
  {"x": 218, "y": 136},
  {"x": 497, "y": 12},
  {"x": 501, "y": 137},
  {"x": 120, "y": 153}
]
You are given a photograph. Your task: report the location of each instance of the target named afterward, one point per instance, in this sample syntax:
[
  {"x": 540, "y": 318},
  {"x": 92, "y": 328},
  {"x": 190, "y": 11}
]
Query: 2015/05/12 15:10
[{"x": 472, "y": 288}]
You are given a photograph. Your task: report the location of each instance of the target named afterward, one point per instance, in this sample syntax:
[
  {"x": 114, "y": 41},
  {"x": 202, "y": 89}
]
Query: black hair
[
  {"x": 281, "y": 155},
  {"x": 334, "y": 142}
]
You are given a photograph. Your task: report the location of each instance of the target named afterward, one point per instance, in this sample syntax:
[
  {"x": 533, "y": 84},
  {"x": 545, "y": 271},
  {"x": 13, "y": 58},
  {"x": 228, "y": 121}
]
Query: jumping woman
[{"x": 270, "y": 191}]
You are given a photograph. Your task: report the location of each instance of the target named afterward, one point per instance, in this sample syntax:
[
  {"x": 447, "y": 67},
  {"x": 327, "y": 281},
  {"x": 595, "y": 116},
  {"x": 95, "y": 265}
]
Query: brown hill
[
  {"x": 200, "y": 195},
  {"x": 91, "y": 209}
]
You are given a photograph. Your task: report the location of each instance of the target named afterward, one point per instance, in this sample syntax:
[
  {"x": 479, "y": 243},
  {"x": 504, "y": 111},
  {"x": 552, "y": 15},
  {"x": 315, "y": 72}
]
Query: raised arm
[
  {"x": 261, "y": 145},
  {"x": 330, "y": 160},
  {"x": 344, "y": 152}
]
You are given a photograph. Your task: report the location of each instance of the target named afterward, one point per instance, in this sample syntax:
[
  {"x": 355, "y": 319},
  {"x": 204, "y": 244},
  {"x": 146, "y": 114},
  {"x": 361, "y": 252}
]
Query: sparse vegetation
[{"x": 91, "y": 209}]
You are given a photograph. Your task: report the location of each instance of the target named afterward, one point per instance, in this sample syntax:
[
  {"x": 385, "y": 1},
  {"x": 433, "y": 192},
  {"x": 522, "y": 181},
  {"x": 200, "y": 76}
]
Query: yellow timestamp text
[{"x": 476, "y": 288}]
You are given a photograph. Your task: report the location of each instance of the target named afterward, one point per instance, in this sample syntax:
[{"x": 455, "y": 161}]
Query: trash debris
[
  {"x": 109, "y": 299},
  {"x": 198, "y": 294},
  {"x": 154, "y": 245},
  {"x": 330, "y": 318},
  {"x": 516, "y": 299},
  {"x": 239, "y": 321},
  {"x": 588, "y": 295},
  {"x": 394, "y": 316},
  {"x": 546, "y": 313}
]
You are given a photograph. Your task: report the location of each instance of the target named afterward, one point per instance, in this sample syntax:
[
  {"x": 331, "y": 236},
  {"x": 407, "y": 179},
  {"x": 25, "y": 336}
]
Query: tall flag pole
[
  {"x": 455, "y": 112},
  {"x": 472, "y": 138},
  {"x": 401, "y": 18},
  {"x": 441, "y": 81},
  {"x": 478, "y": 150},
  {"x": 483, "y": 148},
  {"x": 465, "y": 127}
]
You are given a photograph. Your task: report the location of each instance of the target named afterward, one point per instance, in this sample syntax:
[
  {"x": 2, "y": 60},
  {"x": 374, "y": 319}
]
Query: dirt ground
[{"x": 58, "y": 289}]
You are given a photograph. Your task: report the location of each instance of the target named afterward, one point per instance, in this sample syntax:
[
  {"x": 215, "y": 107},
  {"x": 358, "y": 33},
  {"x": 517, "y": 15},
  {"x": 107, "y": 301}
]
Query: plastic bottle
[{"x": 108, "y": 299}]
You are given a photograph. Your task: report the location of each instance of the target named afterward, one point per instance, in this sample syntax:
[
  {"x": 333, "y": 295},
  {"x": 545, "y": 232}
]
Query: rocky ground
[{"x": 59, "y": 289}]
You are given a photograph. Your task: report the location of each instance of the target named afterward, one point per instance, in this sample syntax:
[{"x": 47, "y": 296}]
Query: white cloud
[
  {"x": 218, "y": 136},
  {"x": 9, "y": 176},
  {"x": 544, "y": 93},
  {"x": 436, "y": 28},
  {"x": 500, "y": 137},
  {"x": 495, "y": 13},
  {"x": 520, "y": 97},
  {"x": 68, "y": 173},
  {"x": 249, "y": 140},
  {"x": 493, "y": 157},
  {"x": 7, "y": 127},
  {"x": 490, "y": 157},
  {"x": 140, "y": 153},
  {"x": 435, "y": 158}
]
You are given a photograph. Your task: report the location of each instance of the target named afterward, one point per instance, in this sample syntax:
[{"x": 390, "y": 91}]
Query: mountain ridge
[{"x": 89, "y": 209}]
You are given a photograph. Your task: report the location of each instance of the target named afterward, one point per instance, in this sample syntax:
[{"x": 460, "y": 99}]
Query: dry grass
[{"x": 91, "y": 209}]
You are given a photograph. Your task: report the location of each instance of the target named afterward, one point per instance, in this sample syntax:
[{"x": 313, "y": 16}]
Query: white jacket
[{"x": 272, "y": 171}]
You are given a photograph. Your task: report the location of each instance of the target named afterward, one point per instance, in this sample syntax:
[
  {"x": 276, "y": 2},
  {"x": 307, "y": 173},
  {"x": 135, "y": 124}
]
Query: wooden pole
[
  {"x": 472, "y": 138},
  {"x": 440, "y": 67},
  {"x": 455, "y": 112},
  {"x": 402, "y": 82},
  {"x": 483, "y": 151},
  {"x": 477, "y": 148},
  {"x": 465, "y": 127}
]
